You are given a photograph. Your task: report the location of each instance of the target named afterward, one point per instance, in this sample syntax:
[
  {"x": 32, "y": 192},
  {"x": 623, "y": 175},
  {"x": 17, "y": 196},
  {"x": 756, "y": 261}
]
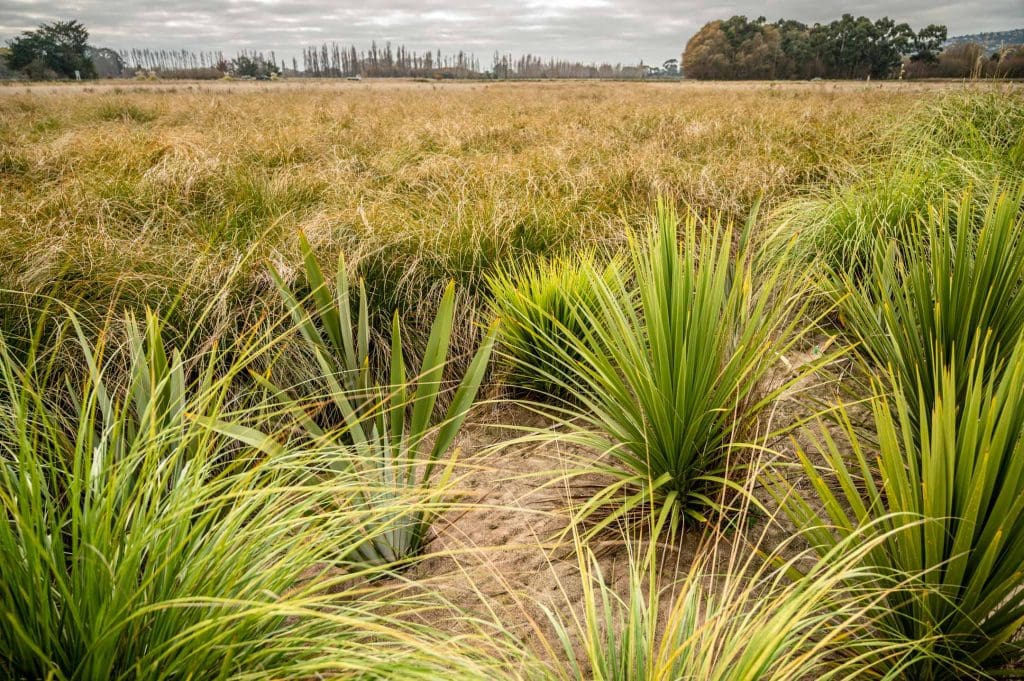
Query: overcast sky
[{"x": 588, "y": 30}]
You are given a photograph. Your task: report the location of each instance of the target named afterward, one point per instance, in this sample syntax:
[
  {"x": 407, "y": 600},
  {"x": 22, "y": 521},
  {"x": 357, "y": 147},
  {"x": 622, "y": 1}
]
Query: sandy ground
[{"x": 499, "y": 559}]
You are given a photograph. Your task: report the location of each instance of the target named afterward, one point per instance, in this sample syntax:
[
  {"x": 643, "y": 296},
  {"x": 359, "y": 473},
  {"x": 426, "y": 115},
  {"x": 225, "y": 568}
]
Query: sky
[{"x": 616, "y": 31}]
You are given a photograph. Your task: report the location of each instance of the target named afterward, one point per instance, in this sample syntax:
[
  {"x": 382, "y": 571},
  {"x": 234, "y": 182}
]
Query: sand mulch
[{"x": 500, "y": 556}]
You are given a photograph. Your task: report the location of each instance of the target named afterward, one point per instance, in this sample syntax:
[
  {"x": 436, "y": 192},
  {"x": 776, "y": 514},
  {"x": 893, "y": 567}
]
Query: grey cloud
[{"x": 589, "y": 30}]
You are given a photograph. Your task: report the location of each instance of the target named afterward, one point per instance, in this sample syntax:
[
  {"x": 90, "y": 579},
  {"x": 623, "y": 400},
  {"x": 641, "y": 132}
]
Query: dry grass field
[
  {"x": 134, "y": 193},
  {"x": 533, "y": 380}
]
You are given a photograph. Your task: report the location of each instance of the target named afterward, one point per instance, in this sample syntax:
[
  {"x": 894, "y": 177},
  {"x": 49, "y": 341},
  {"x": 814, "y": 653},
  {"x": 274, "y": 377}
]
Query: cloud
[{"x": 588, "y": 30}]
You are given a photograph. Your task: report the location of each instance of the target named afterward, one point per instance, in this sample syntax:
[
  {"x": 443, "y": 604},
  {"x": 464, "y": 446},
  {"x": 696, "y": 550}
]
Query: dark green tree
[
  {"x": 54, "y": 50},
  {"x": 739, "y": 29},
  {"x": 254, "y": 66},
  {"x": 889, "y": 43},
  {"x": 844, "y": 45},
  {"x": 928, "y": 43},
  {"x": 849, "y": 47},
  {"x": 856, "y": 47},
  {"x": 800, "y": 58}
]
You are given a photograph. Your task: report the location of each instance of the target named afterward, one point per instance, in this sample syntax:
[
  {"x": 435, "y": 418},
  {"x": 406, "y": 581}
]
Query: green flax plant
[
  {"x": 391, "y": 433},
  {"x": 945, "y": 484},
  {"x": 949, "y": 286},
  {"x": 678, "y": 359},
  {"x": 156, "y": 525}
]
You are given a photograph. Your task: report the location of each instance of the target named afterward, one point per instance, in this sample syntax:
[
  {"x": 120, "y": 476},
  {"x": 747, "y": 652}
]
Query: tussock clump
[
  {"x": 542, "y": 308},
  {"x": 963, "y": 141},
  {"x": 153, "y": 531},
  {"x": 670, "y": 372},
  {"x": 124, "y": 112}
]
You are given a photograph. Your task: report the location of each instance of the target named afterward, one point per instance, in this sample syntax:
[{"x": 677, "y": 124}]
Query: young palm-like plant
[
  {"x": 393, "y": 434},
  {"x": 328, "y": 330},
  {"x": 952, "y": 284},
  {"x": 947, "y": 486},
  {"x": 150, "y": 533},
  {"x": 673, "y": 363}
]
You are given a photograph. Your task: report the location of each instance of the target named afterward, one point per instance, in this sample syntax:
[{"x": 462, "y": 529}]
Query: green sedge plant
[
  {"x": 959, "y": 142},
  {"x": 158, "y": 525},
  {"x": 945, "y": 484},
  {"x": 538, "y": 305},
  {"x": 733, "y": 614},
  {"x": 393, "y": 433}
]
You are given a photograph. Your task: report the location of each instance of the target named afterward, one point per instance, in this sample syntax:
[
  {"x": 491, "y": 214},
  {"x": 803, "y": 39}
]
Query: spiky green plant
[
  {"x": 952, "y": 283},
  {"x": 673, "y": 364},
  {"x": 537, "y": 304},
  {"x": 150, "y": 531},
  {"x": 328, "y": 329},
  {"x": 947, "y": 487},
  {"x": 396, "y": 430}
]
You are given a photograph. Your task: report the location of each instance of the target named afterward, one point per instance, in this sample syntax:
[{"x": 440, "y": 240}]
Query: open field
[
  {"x": 117, "y": 191},
  {"x": 577, "y": 380}
]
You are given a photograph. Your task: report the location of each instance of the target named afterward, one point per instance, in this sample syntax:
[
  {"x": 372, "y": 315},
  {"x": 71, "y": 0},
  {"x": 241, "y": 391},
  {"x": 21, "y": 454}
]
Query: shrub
[
  {"x": 672, "y": 365},
  {"x": 946, "y": 489},
  {"x": 949, "y": 287},
  {"x": 394, "y": 432},
  {"x": 537, "y": 305}
]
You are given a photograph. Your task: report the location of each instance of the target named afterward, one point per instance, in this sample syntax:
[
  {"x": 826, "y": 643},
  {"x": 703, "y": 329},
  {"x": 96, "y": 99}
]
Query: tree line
[
  {"x": 530, "y": 66},
  {"x": 61, "y": 51},
  {"x": 331, "y": 60},
  {"x": 334, "y": 61},
  {"x": 201, "y": 64},
  {"x": 735, "y": 48},
  {"x": 848, "y": 48}
]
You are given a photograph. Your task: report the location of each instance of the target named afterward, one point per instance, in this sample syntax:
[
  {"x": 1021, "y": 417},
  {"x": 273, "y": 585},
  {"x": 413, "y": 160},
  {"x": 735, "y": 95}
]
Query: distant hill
[{"x": 991, "y": 41}]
